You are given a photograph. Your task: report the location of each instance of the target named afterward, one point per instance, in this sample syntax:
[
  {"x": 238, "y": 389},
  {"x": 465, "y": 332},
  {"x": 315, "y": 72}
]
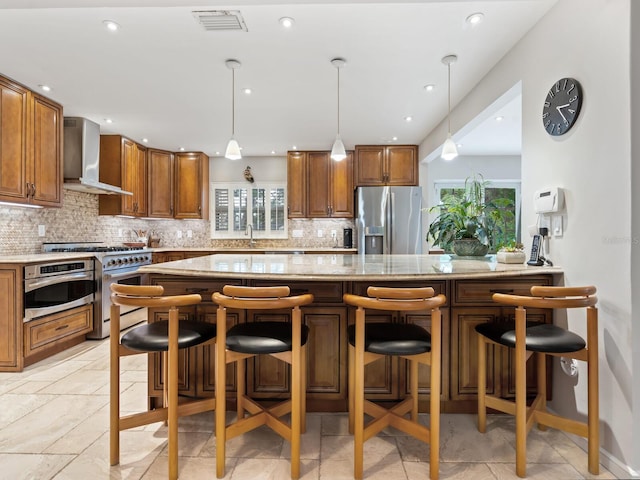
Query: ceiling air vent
[{"x": 215, "y": 20}]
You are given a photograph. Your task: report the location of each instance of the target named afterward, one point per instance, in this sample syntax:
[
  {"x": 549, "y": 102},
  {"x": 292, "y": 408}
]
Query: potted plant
[
  {"x": 467, "y": 225},
  {"x": 512, "y": 252}
]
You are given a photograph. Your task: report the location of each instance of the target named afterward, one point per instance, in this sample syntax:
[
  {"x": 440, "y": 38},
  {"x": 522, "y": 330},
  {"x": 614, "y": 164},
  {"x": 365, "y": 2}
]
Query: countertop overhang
[{"x": 338, "y": 267}]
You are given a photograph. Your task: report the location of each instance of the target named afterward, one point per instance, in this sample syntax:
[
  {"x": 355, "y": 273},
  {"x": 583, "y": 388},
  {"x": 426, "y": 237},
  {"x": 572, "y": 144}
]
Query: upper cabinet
[
  {"x": 123, "y": 163},
  {"x": 377, "y": 165},
  {"x": 160, "y": 165},
  {"x": 30, "y": 147},
  {"x": 319, "y": 187},
  {"x": 191, "y": 185}
]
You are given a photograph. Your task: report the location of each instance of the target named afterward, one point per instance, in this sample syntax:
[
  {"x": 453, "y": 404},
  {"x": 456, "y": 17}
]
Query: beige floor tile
[
  {"x": 29, "y": 387},
  {"x": 450, "y": 471},
  {"x": 190, "y": 468},
  {"x": 309, "y": 441},
  {"x": 29, "y": 467},
  {"x": 535, "y": 471},
  {"x": 273, "y": 469},
  {"x": 79, "y": 383},
  {"x": 335, "y": 424},
  {"x": 14, "y": 407}
]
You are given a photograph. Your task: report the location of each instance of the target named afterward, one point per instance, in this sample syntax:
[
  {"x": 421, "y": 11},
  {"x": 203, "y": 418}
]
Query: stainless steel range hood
[{"x": 82, "y": 156}]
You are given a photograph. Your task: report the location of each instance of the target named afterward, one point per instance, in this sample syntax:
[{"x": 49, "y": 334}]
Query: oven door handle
[
  {"x": 120, "y": 276},
  {"x": 30, "y": 285}
]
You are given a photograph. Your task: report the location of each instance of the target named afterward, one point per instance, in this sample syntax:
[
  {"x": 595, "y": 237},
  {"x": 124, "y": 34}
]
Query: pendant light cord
[
  {"x": 338, "y": 100},
  {"x": 449, "y": 82},
  {"x": 233, "y": 102}
]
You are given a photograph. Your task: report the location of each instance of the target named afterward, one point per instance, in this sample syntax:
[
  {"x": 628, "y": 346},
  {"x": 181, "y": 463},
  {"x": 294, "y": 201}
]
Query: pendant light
[
  {"x": 233, "y": 149},
  {"x": 449, "y": 149},
  {"x": 338, "y": 152}
]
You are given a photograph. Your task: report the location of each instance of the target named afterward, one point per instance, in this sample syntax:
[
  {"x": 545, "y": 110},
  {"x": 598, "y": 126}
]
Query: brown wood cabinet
[
  {"x": 160, "y": 167},
  {"x": 30, "y": 147},
  {"x": 318, "y": 186},
  {"x": 123, "y": 163},
  {"x": 191, "y": 185},
  {"x": 376, "y": 165},
  {"x": 11, "y": 358}
]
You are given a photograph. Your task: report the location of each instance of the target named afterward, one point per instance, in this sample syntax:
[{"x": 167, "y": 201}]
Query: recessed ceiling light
[
  {"x": 408, "y": 118},
  {"x": 459, "y": 145},
  {"x": 499, "y": 118},
  {"x": 182, "y": 149},
  {"x": 217, "y": 153},
  {"x": 145, "y": 140},
  {"x": 394, "y": 139},
  {"x": 475, "y": 18},
  {"x": 247, "y": 91},
  {"x": 295, "y": 147},
  {"x": 273, "y": 152},
  {"x": 108, "y": 120},
  {"x": 430, "y": 87},
  {"x": 46, "y": 88},
  {"x": 111, "y": 25},
  {"x": 286, "y": 22}
]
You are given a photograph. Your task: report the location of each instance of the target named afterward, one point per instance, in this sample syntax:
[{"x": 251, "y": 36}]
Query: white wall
[
  {"x": 590, "y": 41},
  {"x": 263, "y": 169}
]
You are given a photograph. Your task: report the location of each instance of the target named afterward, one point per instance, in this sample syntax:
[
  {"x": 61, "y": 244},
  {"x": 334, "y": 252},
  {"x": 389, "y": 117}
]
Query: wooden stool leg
[
  {"x": 434, "y": 394},
  {"x": 220, "y": 389},
  {"x": 172, "y": 388},
  {"x": 413, "y": 372},
  {"x": 296, "y": 393},
  {"x": 541, "y": 360},
  {"x": 358, "y": 401},
  {"x": 303, "y": 388},
  {"x": 482, "y": 384},
  {"x": 521, "y": 394},
  {"x": 593, "y": 389},
  {"x": 114, "y": 392},
  {"x": 351, "y": 394},
  {"x": 241, "y": 387}
]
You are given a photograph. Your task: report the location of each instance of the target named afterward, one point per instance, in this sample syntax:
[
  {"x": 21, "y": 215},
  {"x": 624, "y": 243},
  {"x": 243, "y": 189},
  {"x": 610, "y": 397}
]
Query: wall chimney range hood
[{"x": 82, "y": 156}]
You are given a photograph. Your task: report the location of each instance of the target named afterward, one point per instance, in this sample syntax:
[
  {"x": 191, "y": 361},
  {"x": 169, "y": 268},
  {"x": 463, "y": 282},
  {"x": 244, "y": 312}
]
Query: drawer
[
  {"x": 323, "y": 292},
  {"x": 45, "y": 332},
  {"x": 186, "y": 285},
  {"x": 479, "y": 292},
  {"x": 439, "y": 286}
]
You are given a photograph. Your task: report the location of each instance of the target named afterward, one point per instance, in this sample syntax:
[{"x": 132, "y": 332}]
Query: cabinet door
[
  {"x": 129, "y": 159},
  {"x": 140, "y": 192},
  {"x": 191, "y": 186},
  {"x": 13, "y": 142},
  {"x": 342, "y": 188},
  {"x": 402, "y": 165},
  {"x": 46, "y": 168},
  {"x": 318, "y": 178},
  {"x": 160, "y": 183},
  {"x": 296, "y": 184},
  {"x": 10, "y": 320},
  {"x": 369, "y": 165}
]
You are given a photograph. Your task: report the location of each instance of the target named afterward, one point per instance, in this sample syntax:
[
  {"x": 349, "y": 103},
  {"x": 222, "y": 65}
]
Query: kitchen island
[{"x": 467, "y": 283}]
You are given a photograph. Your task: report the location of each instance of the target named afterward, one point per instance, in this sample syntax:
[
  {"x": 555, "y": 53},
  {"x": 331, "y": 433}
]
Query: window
[
  {"x": 236, "y": 205},
  {"x": 495, "y": 189}
]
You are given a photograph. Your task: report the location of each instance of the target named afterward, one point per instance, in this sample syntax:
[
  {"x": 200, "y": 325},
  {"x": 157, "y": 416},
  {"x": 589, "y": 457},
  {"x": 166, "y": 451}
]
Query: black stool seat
[
  {"x": 154, "y": 337},
  {"x": 393, "y": 338},
  {"x": 263, "y": 337},
  {"x": 541, "y": 337}
]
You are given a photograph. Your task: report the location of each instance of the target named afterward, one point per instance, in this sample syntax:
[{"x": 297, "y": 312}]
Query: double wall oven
[{"x": 112, "y": 264}]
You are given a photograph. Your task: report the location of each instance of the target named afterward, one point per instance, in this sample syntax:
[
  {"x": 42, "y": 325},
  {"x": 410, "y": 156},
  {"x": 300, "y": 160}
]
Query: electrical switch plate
[
  {"x": 297, "y": 234},
  {"x": 119, "y": 232},
  {"x": 179, "y": 234},
  {"x": 189, "y": 233},
  {"x": 320, "y": 233},
  {"x": 334, "y": 233},
  {"x": 41, "y": 230},
  {"x": 556, "y": 225}
]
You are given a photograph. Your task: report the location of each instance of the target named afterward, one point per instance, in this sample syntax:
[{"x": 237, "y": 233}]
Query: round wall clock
[{"x": 562, "y": 106}]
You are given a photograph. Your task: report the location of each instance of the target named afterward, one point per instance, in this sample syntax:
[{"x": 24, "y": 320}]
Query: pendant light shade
[
  {"x": 449, "y": 149},
  {"x": 338, "y": 152},
  {"x": 233, "y": 149}
]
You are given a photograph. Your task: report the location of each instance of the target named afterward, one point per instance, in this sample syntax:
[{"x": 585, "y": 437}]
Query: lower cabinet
[{"x": 468, "y": 304}]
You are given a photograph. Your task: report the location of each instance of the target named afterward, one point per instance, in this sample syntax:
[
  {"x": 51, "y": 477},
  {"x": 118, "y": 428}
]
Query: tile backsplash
[{"x": 78, "y": 221}]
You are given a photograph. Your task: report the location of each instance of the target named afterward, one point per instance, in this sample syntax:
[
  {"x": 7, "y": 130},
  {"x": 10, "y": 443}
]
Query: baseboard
[{"x": 611, "y": 463}]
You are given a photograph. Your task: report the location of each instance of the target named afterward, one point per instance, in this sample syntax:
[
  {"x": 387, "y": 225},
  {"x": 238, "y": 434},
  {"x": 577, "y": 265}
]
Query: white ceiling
[{"x": 163, "y": 77}]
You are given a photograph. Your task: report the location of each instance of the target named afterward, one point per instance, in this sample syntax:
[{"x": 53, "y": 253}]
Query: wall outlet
[
  {"x": 297, "y": 234},
  {"x": 179, "y": 234},
  {"x": 334, "y": 233},
  {"x": 120, "y": 232},
  {"x": 556, "y": 225},
  {"x": 41, "y": 230},
  {"x": 189, "y": 233},
  {"x": 320, "y": 233}
]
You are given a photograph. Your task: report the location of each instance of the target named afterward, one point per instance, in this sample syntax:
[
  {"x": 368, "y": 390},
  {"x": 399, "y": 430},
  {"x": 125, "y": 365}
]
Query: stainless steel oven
[{"x": 57, "y": 286}]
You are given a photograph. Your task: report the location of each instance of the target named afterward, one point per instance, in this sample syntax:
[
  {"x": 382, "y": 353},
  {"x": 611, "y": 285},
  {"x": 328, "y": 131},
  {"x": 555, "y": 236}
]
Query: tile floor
[{"x": 54, "y": 425}]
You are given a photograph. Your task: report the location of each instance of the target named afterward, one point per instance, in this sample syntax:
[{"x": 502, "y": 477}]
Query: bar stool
[
  {"x": 529, "y": 337},
  {"x": 282, "y": 340},
  {"x": 412, "y": 342},
  {"x": 167, "y": 336}
]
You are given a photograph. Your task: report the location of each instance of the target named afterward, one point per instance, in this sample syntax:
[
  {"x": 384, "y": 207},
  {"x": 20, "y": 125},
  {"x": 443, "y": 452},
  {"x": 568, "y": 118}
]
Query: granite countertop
[
  {"x": 327, "y": 267},
  {"x": 253, "y": 249}
]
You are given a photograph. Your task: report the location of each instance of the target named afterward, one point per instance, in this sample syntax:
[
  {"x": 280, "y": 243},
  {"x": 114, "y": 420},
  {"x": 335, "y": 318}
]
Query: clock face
[{"x": 562, "y": 106}]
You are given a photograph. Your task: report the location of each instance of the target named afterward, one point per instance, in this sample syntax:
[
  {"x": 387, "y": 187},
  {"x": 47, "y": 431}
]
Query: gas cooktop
[{"x": 86, "y": 247}]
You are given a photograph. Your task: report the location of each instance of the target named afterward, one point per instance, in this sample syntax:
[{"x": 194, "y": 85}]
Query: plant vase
[
  {"x": 511, "y": 257},
  {"x": 469, "y": 247}
]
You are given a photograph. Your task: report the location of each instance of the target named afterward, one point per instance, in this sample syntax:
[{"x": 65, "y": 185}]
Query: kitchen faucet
[{"x": 249, "y": 231}]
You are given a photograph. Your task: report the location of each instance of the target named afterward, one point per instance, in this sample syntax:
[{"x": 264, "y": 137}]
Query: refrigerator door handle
[{"x": 389, "y": 223}]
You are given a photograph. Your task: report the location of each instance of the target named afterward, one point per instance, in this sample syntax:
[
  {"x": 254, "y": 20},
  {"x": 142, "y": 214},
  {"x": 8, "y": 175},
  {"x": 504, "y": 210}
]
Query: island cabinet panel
[
  {"x": 160, "y": 179},
  {"x": 10, "y": 319},
  {"x": 378, "y": 165}
]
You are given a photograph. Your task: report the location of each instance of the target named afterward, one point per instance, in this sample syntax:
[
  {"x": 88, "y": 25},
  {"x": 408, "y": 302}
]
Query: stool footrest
[{"x": 161, "y": 414}]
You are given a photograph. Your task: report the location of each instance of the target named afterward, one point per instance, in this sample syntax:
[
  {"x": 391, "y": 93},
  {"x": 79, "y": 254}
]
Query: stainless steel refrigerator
[{"x": 389, "y": 220}]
